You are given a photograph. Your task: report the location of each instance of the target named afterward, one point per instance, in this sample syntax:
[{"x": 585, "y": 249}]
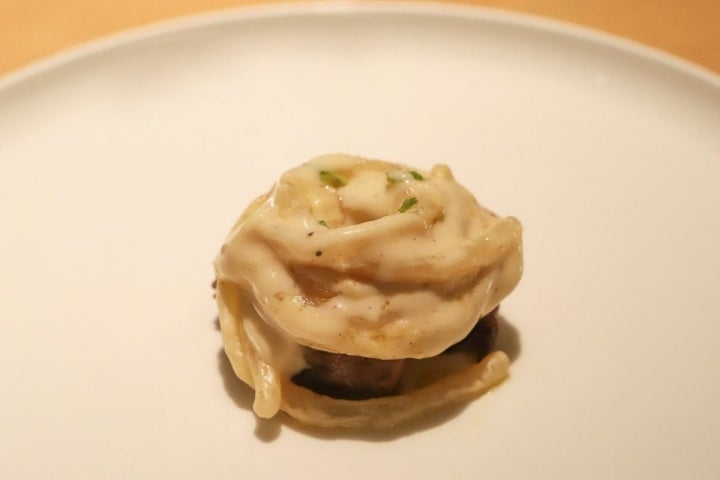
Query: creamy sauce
[{"x": 328, "y": 260}]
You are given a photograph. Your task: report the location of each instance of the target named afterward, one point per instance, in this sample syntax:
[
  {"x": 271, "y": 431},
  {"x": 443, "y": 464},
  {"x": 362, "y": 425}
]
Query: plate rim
[
  {"x": 476, "y": 413},
  {"x": 283, "y": 9}
]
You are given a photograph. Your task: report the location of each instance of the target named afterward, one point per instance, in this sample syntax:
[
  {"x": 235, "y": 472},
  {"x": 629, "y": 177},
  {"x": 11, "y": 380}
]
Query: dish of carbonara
[{"x": 362, "y": 293}]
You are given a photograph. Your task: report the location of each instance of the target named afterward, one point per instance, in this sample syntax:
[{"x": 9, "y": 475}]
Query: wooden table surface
[{"x": 33, "y": 29}]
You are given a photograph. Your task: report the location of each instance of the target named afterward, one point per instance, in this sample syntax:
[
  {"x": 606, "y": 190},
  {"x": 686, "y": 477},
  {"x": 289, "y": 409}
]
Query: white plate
[{"x": 123, "y": 165}]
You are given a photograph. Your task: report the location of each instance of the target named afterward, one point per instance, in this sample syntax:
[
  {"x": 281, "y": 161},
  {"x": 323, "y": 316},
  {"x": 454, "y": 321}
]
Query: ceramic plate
[{"x": 123, "y": 165}]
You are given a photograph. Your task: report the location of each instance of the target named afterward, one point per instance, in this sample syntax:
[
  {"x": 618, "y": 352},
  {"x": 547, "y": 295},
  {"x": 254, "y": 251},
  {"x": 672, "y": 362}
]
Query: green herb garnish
[
  {"x": 331, "y": 179},
  {"x": 322, "y": 222},
  {"x": 395, "y": 176},
  {"x": 407, "y": 204}
]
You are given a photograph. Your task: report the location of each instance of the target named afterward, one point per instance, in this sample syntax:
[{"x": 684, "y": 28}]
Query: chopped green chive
[
  {"x": 403, "y": 176},
  {"x": 407, "y": 204},
  {"x": 331, "y": 179},
  {"x": 322, "y": 222}
]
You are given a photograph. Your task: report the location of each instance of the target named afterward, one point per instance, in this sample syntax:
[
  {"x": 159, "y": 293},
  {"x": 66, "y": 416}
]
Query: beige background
[{"x": 32, "y": 29}]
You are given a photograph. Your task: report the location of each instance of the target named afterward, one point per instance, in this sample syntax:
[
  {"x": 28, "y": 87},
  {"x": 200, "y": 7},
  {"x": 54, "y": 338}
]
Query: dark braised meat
[
  {"x": 346, "y": 376},
  {"x": 357, "y": 378}
]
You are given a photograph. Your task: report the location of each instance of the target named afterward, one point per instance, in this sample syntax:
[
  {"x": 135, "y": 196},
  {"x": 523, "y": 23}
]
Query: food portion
[{"x": 362, "y": 293}]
